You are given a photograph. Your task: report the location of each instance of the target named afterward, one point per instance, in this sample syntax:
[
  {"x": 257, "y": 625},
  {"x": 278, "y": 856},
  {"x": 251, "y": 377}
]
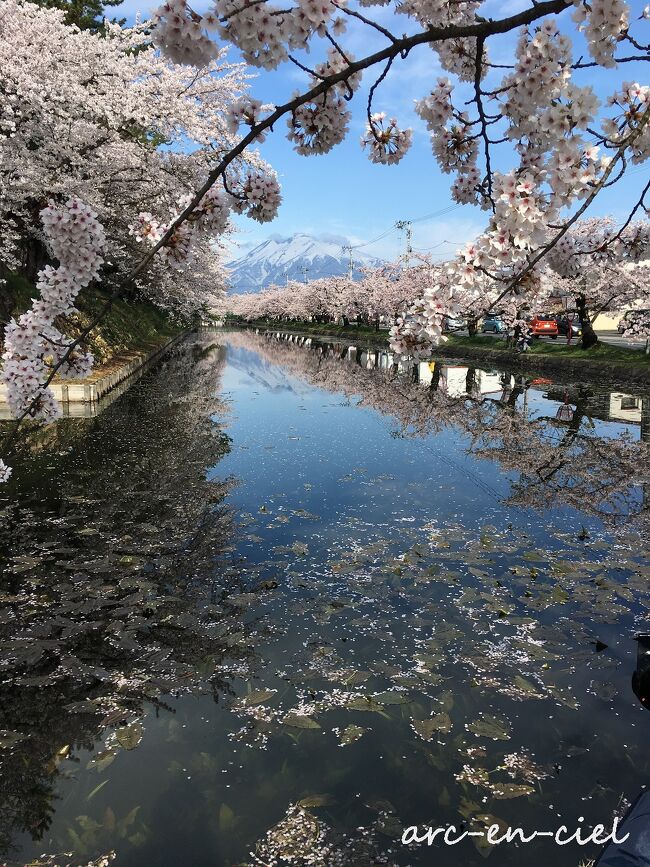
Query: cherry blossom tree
[
  {"x": 85, "y": 115},
  {"x": 82, "y": 121},
  {"x": 380, "y": 295},
  {"x": 599, "y": 266}
]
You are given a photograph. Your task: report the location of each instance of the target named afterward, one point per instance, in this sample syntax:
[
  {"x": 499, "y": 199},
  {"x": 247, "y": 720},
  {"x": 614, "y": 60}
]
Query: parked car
[
  {"x": 543, "y": 325},
  {"x": 453, "y": 323},
  {"x": 566, "y": 322},
  {"x": 494, "y": 324},
  {"x": 628, "y": 315}
]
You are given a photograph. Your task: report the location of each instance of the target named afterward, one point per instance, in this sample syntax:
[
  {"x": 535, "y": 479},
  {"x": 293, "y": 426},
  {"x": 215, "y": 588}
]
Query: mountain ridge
[{"x": 297, "y": 257}]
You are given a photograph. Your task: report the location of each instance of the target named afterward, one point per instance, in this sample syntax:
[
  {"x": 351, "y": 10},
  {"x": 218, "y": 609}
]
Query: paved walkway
[
  {"x": 615, "y": 339},
  {"x": 611, "y": 337}
]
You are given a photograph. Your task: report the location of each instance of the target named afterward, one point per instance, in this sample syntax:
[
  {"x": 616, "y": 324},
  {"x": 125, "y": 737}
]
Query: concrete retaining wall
[{"x": 90, "y": 393}]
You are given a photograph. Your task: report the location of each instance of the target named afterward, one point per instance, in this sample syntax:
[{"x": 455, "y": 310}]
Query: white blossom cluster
[
  {"x": 259, "y": 198},
  {"x": 386, "y": 143},
  {"x": 318, "y": 126},
  {"x": 247, "y": 111},
  {"x": 636, "y": 323},
  {"x": 5, "y": 472},
  {"x": 414, "y": 334},
  {"x": 455, "y": 150},
  {"x": 598, "y": 241},
  {"x": 546, "y": 112},
  {"x": 456, "y": 55},
  {"x": 454, "y": 147},
  {"x": 466, "y": 189},
  {"x": 179, "y": 32},
  {"x": 603, "y": 22},
  {"x": 264, "y": 33},
  {"x": 410, "y": 337},
  {"x": 436, "y": 109},
  {"x": 633, "y": 102},
  {"x": 33, "y": 346},
  {"x": 542, "y": 71}
]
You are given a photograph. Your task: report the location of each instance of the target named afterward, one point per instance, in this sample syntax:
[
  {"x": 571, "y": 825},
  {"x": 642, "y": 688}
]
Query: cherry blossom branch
[
  {"x": 354, "y": 14},
  {"x": 480, "y": 45},
  {"x": 593, "y": 63},
  {"x": 398, "y": 47},
  {"x": 630, "y": 139},
  {"x": 371, "y": 125},
  {"x": 10, "y": 438}
]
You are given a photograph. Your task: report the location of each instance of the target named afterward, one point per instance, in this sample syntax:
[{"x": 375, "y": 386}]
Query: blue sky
[{"x": 343, "y": 193}]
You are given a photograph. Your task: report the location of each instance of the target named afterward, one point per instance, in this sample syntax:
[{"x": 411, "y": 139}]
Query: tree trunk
[
  {"x": 472, "y": 327},
  {"x": 34, "y": 258},
  {"x": 471, "y": 385},
  {"x": 589, "y": 336},
  {"x": 7, "y": 300}
]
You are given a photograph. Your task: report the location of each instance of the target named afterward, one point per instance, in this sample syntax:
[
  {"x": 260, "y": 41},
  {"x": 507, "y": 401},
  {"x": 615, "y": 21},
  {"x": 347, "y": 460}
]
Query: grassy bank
[
  {"x": 326, "y": 329},
  {"x": 602, "y": 352},
  {"x": 129, "y": 326}
]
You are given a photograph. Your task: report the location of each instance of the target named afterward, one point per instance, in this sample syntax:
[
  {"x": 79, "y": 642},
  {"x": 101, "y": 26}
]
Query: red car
[{"x": 543, "y": 325}]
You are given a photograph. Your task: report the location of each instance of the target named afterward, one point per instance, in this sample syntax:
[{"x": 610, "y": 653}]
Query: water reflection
[
  {"x": 463, "y": 380},
  {"x": 111, "y": 597},
  {"x": 413, "y": 591},
  {"x": 566, "y": 443}
]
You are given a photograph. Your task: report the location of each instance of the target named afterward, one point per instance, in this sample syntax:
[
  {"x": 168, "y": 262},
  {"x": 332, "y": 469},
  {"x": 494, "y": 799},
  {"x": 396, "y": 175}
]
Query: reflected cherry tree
[
  {"x": 552, "y": 460},
  {"x": 114, "y": 585}
]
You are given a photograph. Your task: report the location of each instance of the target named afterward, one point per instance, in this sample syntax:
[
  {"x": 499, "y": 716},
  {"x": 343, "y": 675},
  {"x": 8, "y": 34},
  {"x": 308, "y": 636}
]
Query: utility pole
[
  {"x": 405, "y": 226},
  {"x": 348, "y": 250}
]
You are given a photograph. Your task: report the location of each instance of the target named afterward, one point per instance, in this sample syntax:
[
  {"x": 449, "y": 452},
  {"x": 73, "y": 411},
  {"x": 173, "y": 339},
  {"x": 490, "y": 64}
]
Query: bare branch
[{"x": 480, "y": 45}]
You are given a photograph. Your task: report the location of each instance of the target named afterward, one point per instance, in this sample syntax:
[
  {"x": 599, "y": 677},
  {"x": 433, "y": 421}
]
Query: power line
[
  {"x": 374, "y": 240},
  {"x": 432, "y": 215},
  {"x": 441, "y": 213},
  {"x": 433, "y": 246}
]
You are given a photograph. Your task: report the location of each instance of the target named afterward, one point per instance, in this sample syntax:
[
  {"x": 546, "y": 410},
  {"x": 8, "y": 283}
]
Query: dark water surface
[{"x": 284, "y": 598}]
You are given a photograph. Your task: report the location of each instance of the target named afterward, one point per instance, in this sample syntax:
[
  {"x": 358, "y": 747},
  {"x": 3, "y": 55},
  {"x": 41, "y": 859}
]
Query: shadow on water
[
  {"x": 112, "y": 586},
  {"x": 391, "y": 594}
]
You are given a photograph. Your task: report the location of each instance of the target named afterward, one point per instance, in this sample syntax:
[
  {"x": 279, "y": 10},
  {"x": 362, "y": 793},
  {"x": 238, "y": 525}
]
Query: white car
[{"x": 454, "y": 323}]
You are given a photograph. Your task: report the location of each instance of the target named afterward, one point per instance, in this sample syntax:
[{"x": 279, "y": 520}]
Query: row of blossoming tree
[
  {"x": 536, "y": 117},
  {"x": 392, "y": 294},
  {"x": 381, "y": 295}
]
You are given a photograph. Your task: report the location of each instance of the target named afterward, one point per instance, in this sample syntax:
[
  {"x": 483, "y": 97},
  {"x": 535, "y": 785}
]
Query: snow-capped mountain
[{"x": 300, "y": 257}]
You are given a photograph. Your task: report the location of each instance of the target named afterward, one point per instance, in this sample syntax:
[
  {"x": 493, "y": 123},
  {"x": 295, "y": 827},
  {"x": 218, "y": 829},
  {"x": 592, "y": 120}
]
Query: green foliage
[
  {"x": 85, "y": 14},
  {"x": 151, "y": 138},
  {"x": 128, "y": 325}
]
